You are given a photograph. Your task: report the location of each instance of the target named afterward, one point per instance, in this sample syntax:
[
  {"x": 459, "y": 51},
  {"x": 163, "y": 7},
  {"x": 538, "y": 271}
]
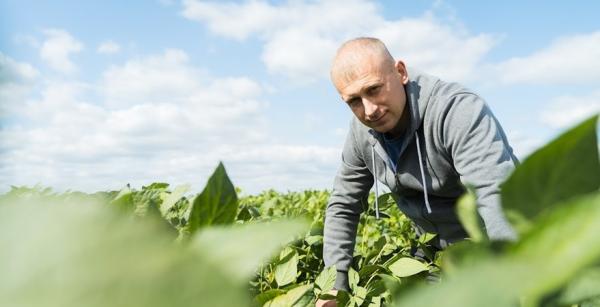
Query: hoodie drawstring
[
  {"x": 427, "y": 205},
  {"x": 376, "y": 185},
  {"x": 422, "y": 174}
]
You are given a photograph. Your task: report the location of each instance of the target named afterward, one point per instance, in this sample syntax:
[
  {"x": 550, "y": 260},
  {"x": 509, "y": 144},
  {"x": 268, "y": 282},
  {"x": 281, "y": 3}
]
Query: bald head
[{"x": 357, "y": 54}]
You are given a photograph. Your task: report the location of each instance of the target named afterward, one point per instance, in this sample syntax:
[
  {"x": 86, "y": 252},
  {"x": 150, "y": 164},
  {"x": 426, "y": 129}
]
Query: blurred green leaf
[
  {"x": 295, "y": 297},
  {"x": 234, "y": 248},
  {"x": 466, "y": 209},
  {"x": 585, "y": 286},
  {"x": 87, "y": 255},
  {"x": 564, "y": 168},
  {"x": 464, "y": 254},
  {"x": 559, "y": 246},
  {"x": 268, "y": 295},
  {"x": 124, "y": 200}
]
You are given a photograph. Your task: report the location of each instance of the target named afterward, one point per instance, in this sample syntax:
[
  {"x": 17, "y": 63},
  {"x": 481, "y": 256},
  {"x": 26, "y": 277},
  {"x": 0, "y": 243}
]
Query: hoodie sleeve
[
  {"x": 481, "y": 156},
  {"x": 350, "y": 189}
]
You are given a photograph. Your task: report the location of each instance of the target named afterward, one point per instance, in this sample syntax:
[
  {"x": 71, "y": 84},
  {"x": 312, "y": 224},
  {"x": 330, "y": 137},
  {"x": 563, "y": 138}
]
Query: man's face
[{"x": 375, "y": 93}]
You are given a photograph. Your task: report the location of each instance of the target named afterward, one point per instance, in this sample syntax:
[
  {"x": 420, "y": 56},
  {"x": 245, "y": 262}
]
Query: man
[{"x": 422, "y": 137}]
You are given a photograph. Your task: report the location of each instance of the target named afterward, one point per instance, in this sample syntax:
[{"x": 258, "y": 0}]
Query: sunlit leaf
[
  {"x": 404, "y": 267},
  {"x": 566, "y": 167},
  {"x": 216, "y": 205}
]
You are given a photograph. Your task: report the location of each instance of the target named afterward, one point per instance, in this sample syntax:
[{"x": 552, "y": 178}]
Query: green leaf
[
  {"x": 342, "y": 298},
  {"x": 287, "y": 267},
  {"x": 326, "y": 279},
  {"x": 123, "y": 200},
  {"x": 360, "y": 294},
  {"x": 375, "y": 301},
  {"x": 584, "y": 287},
  {"x": 560, "y": 246},
  {"x": 566, "y": 167},
  {"x": 87, "y": 255},
  {"x": 234, "y": 248},
  {"x": 217, "y": 204},
  {"x": 367, "y": 270},
  {"x": 294, "y": 297},
  {"x": 376, "y": 288},
  {"x": 266, "y": 296},
  {"x": 156, "y": 186},
  {"x": 148, "y": 201},
  {"x": 312, "y": 240},
  {"x": 169, "y": 200},
  {"x": 404, "y": 267},
  {"x": 426, "y": 237},
  {"x": 353, "y": 279},
  {"x": 392, "y": 284},
  {"x": 466, "y": 209},
  {"x": 464, "y": 254}
]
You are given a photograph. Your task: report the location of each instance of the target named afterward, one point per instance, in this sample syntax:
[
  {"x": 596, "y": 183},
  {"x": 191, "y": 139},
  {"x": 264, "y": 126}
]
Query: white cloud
[
  {"x": 300, "y": 40},
  {"x": 97, "y": 136},
  {"x": 29, "y": 40},
  {"x": 109, "y": 47},
  {"x": 57, "y": 49},
  {"x": 571, "y": 59},
  {"x": 16, "y": 81},
  {"x": 566, "y": 111}
]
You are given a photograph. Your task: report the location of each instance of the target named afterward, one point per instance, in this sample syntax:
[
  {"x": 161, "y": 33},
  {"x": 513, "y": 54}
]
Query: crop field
[{"x": 169, "y": 246}]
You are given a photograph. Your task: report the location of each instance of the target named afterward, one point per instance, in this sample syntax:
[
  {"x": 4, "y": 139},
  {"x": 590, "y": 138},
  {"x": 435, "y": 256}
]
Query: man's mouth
[{"x": 377, "y": 120}]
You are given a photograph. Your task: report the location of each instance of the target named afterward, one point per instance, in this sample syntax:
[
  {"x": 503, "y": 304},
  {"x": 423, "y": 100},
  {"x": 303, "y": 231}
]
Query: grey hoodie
[{"x": 453, "y": 139}]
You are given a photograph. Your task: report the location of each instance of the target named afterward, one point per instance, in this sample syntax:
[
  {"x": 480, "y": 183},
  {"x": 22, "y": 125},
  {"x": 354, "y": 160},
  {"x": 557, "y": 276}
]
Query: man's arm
[
  {"x": 351, "y": 187},
  {"x": 482, "y": 156}
]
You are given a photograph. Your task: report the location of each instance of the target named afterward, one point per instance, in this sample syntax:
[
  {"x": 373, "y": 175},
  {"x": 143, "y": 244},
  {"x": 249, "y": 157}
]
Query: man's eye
[
  {"x": 353, "y": 102},
  {"x": 373, "y": 90}
]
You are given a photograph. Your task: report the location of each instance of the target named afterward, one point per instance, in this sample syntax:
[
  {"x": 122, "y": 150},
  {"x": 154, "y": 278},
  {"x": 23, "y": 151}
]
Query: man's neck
[{"x": 402, "y": 126}]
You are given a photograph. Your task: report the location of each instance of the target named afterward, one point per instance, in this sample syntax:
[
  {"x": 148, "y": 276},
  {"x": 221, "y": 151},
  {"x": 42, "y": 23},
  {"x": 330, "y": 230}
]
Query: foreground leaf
[
  {"x": 90, "y": 256},
  {"x": 234, "y": 248},
  {"x": 564, "y": 168},
  {"x": 559, "y": 247},
  {"x": 584, "y": 287},
  {"x": 466, "y": 209},
  {"x": 296, "y": 297}
]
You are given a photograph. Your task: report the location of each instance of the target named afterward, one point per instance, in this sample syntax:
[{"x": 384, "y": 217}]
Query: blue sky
[{"x": 95, "y": 95}]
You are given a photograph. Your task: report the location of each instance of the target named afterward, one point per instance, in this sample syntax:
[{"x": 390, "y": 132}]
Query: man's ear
[{"x": 401, "y": 68}]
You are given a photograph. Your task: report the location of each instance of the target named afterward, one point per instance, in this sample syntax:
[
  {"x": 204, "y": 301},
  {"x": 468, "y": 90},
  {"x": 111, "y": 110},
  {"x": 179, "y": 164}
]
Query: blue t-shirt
[{"x": 393, "y": 146}]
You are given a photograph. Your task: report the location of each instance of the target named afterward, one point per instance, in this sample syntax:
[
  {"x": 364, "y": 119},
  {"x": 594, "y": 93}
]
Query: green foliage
[
  {"x": 566, "y": 167},
  {"x": 87, "y": 255},
  {"x": 466, "y": 209},
  {"x": 217, "y": 204},
  {"x": 118, "y": 249}
]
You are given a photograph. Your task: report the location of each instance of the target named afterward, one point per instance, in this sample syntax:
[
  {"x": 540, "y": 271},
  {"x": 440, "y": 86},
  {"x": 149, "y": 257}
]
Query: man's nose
[{"x": 370, "y": 109}]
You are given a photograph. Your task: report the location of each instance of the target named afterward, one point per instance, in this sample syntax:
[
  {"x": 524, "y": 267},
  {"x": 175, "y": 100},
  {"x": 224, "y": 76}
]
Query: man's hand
[{"x": 327, "y": 303}]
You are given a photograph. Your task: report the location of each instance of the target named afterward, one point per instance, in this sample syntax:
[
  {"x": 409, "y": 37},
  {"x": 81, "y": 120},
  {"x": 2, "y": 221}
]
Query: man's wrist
[{"x": 341, "y": 281}]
